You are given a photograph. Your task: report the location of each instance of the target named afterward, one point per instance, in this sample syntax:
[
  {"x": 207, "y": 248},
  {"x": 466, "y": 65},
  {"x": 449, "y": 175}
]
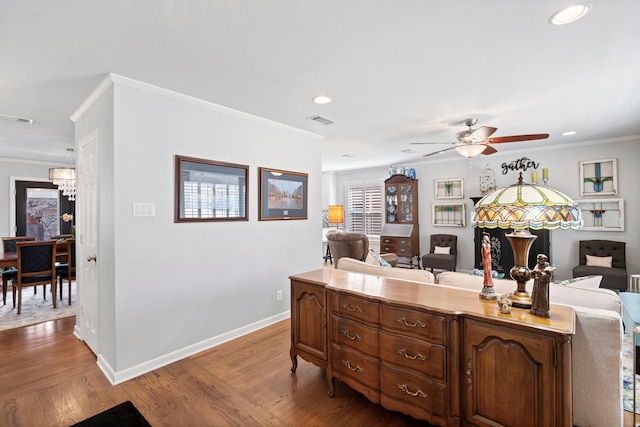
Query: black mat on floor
[{"x": 123, "y": 415}]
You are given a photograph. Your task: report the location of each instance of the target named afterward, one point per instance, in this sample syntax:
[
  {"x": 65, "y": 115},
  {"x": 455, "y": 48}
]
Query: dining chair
[
  {"x": 36, "y": 266},
  {"x": 61, "y": 236},
  {"x": 68, "y": 269},
  {"x": 9, "y": 245}
]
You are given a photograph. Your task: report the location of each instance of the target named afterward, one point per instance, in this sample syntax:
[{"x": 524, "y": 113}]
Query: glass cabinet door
[
  {"x": 392, "y": 203},
  {"x": 406, "y": 198}
]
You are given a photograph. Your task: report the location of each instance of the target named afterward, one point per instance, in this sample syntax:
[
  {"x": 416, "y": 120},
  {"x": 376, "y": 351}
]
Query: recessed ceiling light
[
  {"x": 570, "y": 14},
  {"x": 569, "y": 133},
  {"x": 322, "y": 99}
]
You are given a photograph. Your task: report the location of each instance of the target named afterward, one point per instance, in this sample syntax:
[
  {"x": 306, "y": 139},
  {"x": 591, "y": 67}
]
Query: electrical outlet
[{"x": 279, "y": 295}]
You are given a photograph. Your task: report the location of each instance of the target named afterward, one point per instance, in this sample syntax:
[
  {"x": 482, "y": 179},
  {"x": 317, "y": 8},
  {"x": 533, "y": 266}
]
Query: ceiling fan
[{"x": 473, "y": 142}]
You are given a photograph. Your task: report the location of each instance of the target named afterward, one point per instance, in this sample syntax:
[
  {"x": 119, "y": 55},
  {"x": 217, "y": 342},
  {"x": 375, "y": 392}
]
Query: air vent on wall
[{"x": 320, "y": 119}]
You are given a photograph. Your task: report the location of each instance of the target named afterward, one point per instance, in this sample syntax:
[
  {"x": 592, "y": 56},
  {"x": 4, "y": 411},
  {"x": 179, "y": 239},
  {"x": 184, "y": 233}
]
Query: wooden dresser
[{"x": 438, "y": 354}]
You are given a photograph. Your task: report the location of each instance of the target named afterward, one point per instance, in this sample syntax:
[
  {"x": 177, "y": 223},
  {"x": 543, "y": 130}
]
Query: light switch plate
[{"x": 144, "y": 209}]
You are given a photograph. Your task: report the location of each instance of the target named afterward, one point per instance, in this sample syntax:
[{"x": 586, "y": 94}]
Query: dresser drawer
[
  {"x": 357, "y": 336},
  {"x": 412, "y": 395},
  {"x": 395, "y": 249},
  {"x": 355, "y": 308},
  {"x": 360, "y": 372},
  {"x": 419, "y": 357},
  {"x": 416, "y": 324},
  {"x": 399, "y": 241}
]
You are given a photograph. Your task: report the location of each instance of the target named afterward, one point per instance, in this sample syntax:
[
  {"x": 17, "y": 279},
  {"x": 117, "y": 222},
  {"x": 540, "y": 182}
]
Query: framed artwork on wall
[
  {"x": 208, "y": 190},
  {"x": 599, "y": 178},
  {"x": 452, "y": 188},
  {"x": 282, "y": 195},
  {"x": 448, "y": 214},
  {"x": 602, "y": 214}
]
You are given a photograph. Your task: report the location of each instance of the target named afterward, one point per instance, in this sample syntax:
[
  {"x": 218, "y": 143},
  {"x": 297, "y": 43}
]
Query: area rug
[
  {"x": 122, "y": 415},
  {"x": 35, "y": 309},
  {"x": 627, "y": 363}
]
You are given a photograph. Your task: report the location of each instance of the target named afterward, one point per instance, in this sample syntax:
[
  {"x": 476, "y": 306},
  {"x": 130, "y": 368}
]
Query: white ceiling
[{"x": 399, "y": 71}]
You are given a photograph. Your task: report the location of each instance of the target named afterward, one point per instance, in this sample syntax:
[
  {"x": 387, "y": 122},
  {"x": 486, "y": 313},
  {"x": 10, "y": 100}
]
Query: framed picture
[
  {"x": 602, "y": 214},
  {"x": 452, "y": 188},
  {"x": 448, "y": 214},
  {"x": 208, "y": 190},
  {"x": 283, "y": 195},
  {"x": 599, "y": 178}
]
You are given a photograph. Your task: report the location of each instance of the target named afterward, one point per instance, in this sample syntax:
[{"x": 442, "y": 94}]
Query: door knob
[{"x": 91, "y": 258}]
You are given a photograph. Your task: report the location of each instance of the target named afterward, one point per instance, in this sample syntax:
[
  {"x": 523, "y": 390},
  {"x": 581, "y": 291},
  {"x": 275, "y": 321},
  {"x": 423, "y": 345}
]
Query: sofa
[{"x": 596, "y": 347}]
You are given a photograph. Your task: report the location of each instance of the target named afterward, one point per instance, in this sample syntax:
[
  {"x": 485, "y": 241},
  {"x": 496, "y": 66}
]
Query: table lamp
[
  {"x": 336, "y": 215},
  {"x": 520, "y": 207}
]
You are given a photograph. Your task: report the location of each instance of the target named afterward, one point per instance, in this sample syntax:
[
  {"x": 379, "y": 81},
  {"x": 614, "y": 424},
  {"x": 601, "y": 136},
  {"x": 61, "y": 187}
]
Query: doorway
[{"x": 39, "y": 207}]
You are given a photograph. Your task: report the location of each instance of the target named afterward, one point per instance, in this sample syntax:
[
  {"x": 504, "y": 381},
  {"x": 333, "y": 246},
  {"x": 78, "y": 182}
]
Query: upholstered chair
[
  {"x": 443, "y": 253},
  {"x": 68, "y": 270},
  {"x": 613, "y": 270},
  {"x": 9, "y": 245},
  {"x": 36, "y": 266},
  {"x": 353, "y": 245}
]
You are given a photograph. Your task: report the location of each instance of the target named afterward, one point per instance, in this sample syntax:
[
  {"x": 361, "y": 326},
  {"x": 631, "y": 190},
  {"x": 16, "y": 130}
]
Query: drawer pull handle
[
  {"x": 355, "y": 309},
  {"x": 412, "y": 325},
  {"x": 418, "y": 393},
  {"x": 348, "y": 365},
  {"x": 403, "y": 352},
  {"x": 347, "y": 334}
]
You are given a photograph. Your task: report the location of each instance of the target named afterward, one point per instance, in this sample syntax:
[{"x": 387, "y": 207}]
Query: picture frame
[
  {"x": 282, "y": 194},
  {"x": 451, "y": 188},
  {"x": 448, "y": 214},
  {"x": 602, "y": 214},
  {"x": 599, "y": 178},
  {"x": 209, "y": 190}
]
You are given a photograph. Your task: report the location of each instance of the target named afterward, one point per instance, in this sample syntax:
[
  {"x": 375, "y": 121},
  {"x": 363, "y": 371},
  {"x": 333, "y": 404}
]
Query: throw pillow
[
  {"x": 442, "y": 250},
  {"x": 588, "y": 282},
  {"x": 383, "y": 262},
  {"x": 599, "y": 261},
  {"x": 372, "y": 258}
]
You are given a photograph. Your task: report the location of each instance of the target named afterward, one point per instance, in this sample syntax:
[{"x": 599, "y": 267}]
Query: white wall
[
  {"x": 171, "y": 289},
  {"x": 563, "y": 164}
]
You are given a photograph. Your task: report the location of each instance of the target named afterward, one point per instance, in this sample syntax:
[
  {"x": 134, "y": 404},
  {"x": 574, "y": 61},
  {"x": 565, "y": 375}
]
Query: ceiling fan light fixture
[
  {"x": 569, "y": 133},
  {"x": 570, "y": 14},
  {"x": 470, "y": 150}
]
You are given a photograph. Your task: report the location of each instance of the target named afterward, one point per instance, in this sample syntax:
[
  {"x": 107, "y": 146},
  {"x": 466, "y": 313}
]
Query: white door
[{"x": 87, "y": 244}]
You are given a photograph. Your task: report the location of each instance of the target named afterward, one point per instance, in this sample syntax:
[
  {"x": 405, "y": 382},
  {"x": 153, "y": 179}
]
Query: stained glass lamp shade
[{"x": 522, "y": 207}]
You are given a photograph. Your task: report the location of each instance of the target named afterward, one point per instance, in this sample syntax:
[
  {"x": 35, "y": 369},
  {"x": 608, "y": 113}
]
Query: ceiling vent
[{"x": 320, "y": 119}]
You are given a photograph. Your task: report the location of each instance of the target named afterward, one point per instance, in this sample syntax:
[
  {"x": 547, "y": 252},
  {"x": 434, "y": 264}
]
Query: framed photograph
[
  {"x": 602, "y": 214},
  {"x": 208, "y": 190},
  {"x": 282, "y": 194},
  {"x": 448, "y": 214},
  {"x": 452, "y": 188},
  {"x": 599, "y": 178}
]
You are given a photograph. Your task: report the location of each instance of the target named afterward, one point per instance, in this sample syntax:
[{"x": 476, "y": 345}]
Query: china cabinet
[{"x": 401, "y": 234}]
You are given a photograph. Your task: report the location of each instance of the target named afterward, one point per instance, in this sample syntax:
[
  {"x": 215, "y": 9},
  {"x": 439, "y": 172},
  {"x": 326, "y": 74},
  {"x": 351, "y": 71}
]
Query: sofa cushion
[
  {"x": 599, "y": 261},
  {"x": 589, "y": 282},
  {"x": 416, "y": 275},
  {"x": 600, "y": 298}
]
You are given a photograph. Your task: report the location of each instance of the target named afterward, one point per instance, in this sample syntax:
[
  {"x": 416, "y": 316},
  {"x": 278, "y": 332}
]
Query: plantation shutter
[{"x": 364, "y": 208}]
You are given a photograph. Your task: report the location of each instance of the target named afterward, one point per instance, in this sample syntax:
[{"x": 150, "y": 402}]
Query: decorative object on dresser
[
  {"x": 443, "y": 253},
  {"x": 400, "y": 233},
  {"x": 606, "y": 258},
  {"x": 429, "y": 351},
  {"x": 520, "y": 207},
  {"x": 487, "y": 281}
]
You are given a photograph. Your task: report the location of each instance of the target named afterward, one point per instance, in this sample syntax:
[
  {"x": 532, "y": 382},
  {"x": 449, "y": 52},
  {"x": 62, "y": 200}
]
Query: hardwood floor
[{"x": 49, "y": 378}]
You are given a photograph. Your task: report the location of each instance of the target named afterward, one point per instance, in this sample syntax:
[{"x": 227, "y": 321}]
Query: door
[{"x": 87, "y": 240}]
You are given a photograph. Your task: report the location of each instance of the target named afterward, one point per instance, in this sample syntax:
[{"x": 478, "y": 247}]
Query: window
[{"x": 364, "y": 207}]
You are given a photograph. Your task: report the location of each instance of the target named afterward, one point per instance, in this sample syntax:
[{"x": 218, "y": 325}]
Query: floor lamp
[{"x": 522, "y": 207}]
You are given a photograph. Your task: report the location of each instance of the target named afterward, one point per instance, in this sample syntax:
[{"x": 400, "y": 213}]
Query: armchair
[
  {"x": 439, "y": 258},
  {"x": 613, "y": 277},
  {"x": 353, "y": 245}
]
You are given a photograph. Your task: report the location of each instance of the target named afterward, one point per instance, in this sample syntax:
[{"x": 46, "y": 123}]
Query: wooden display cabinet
[{"x": 401, "y": 213}]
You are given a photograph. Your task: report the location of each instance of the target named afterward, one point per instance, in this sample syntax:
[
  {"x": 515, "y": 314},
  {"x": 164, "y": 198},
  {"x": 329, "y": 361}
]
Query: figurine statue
[
  {"x": 542, "y": 274},
  {"x": 505, "y": 304},
  {"x": 487, "y": 284}
]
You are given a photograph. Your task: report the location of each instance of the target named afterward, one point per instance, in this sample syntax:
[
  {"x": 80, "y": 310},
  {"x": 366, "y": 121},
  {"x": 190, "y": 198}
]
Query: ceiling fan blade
[
  {"x": 489, "y": 150},
  {"x": 482, "y": 133},
  {"x": 516, "y": 138},
  {"x": 422, "y": 143},
  {"x": 438, "y": 152}
]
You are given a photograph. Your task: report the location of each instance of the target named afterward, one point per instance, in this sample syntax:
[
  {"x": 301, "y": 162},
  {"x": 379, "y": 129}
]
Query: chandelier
[{"x": 65, "y": 179}]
